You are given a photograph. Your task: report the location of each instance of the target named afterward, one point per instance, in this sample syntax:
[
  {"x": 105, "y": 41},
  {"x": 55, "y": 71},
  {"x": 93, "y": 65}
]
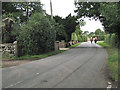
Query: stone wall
[
  {"x": 63, "y": 44},
  {"x": 59, "y": 44},
  {"x": 9, "y": 49}
]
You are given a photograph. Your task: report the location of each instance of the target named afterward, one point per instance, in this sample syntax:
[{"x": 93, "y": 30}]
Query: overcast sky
[{"x": 64, "y": 7}]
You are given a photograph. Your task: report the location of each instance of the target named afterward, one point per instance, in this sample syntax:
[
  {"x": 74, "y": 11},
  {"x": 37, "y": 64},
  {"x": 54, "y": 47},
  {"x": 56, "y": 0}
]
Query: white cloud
[
  {"x": 64, "y": 7},
  {"x": 92, "y": 25},
  {"x": 60, "y": 7}
]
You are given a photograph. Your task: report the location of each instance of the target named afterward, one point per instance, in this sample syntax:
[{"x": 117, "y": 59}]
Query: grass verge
[
  {"x": 112, "y": 59},
  {"x": 0, "y": 66},
  {"x": 32, "y": 57},
  {"x": 35, "y": 57},
  {"x": 73, "y": 46}
]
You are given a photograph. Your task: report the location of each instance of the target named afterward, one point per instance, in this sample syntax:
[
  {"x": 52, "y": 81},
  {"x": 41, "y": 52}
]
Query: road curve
[{"x": 80, "y": 67}]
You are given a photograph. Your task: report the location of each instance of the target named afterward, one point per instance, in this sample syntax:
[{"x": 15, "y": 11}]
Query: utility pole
[
  {"x": 51, "y": 9},
  {"x": 27, "y": 10}
]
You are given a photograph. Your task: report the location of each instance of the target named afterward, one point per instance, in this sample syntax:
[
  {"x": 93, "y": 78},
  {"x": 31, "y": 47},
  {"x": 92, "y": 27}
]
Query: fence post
[
  {"x": 16, "y": 48},
  {"x": 57, "y": 45}
]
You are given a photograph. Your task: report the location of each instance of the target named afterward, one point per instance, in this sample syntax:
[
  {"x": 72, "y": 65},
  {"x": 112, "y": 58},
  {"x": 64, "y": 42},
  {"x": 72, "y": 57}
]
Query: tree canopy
[
  {"x": 21, "y": 10},
  {"x": 69, "y": 24},
  {"x": 102, "y": 11}
]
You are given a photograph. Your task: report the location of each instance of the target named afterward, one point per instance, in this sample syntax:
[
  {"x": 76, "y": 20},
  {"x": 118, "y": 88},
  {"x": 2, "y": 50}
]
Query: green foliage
[
  {"x": 60, "y": 32},
  {"x": 107, "y": 39},
  {"x": 78, "y": 31},
  {"x": 112, "y": 59},
  {"x": 23, "y": 10},
  {"x": 32, "y": 57},
  {"x": 77, "y": 35},
  {"x": 103, "y": 44},
  {"x": 102, "y": 11},
  {"x": 91, "y": 34},
  {"x": 82, "y": 23},
  {"x": 84, "y": 38},
  {"x": 80, "y": 38},
  {"x": 74, "y": 37},
  {"x": 36, "y": 36},
  {"x": 59, "y": 28},
  {"x": 111, "y": 20},
  {"x": 75, "y": 45},
  {"x": 98, "y": 32},
  {"x": 69, "y": 24},
  {"x": 8, "y": 7},
  {"x": 113, "y": 62},
  {"x": 86, "y": 32},
  {"x": 112, "y": 40}
]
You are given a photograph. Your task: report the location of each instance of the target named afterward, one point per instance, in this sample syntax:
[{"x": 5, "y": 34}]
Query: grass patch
[
  {"x": 73, "y": 46},
  {"x": 113, "y": 62},
  {"x": 31, "y": 57},
  {"x": 103, "y": 44},
  {"x": 112, "y": 59}
]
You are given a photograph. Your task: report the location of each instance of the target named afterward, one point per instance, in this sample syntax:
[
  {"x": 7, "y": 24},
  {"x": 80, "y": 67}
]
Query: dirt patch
[
  {"x": 9, "y": 63},
  {"x": 14, "y": 63}
]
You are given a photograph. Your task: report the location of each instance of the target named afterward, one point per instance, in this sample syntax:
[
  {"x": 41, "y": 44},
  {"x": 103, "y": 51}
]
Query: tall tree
[
  {"x": 102, "y": 11},
  {"x": 86, "y": 32},
  {"x": 98, "y": 32},
  {"x": 20, "y": 9},
  {"x": 69, "y": 24}
]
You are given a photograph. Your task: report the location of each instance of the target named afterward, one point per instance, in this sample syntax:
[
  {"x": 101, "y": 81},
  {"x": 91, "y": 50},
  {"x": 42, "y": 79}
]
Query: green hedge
[
  {"x": 36, "y": 36},
  {"x": 80, "y": 38},
  {"x": 74, "y": 37},
  {"x": 60, "y": 32},
  {"x": 111, "y": 40},
  {"x": 85, "y": 38}
]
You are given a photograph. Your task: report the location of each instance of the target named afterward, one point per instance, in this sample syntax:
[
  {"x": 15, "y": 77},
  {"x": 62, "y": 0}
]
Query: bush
[
  {"x": 74, "y": 37},
  {"x": 36, "y": 36},
  {"x": 85, "y": 38},
  {"x": 60, "y": 32},
  {"x": 80, "y": 39},
  {"x": 112, "y": 40},
  {"x": 107, "y": 39}
]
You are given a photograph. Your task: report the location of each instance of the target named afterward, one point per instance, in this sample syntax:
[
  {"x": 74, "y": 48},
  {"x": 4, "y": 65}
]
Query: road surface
[{"x": 80, "y": 67}]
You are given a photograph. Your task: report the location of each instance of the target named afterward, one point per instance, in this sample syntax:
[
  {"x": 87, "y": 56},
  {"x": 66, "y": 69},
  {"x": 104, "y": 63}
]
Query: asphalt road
[{"x": 80, "y": 67}]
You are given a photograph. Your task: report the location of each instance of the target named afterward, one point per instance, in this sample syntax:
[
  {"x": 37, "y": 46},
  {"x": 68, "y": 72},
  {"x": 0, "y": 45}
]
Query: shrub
[
  {"x": 36, "y": 36},
  {"x": 84, "y": 38},
  {"x": 107, "y": 38},
  {"x": 60, "y": 32},
  {"x": 114, "y": 40},
  {"x": 80, "y": 39},
  {"x": 74, "y": 37},
  {"x": 111, "y": 40}
]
